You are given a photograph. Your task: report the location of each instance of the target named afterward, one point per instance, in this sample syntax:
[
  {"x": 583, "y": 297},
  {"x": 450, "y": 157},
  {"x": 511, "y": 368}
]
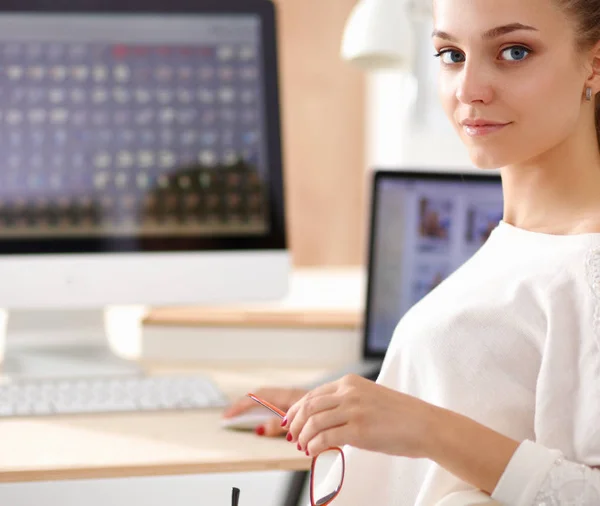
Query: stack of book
[{"x": 317, "y": 324}]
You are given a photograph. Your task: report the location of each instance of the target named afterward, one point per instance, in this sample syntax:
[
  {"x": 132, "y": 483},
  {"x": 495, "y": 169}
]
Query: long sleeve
[{"x": 537, "y": 476}]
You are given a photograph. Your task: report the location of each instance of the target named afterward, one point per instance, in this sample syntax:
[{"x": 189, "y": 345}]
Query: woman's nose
[{"x": 474, "y": 85}]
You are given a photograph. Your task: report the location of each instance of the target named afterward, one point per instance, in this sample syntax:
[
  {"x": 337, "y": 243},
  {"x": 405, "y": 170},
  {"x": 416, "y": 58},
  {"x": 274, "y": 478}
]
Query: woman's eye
[
  {"x": 515, "y": 53},
  {"x": 450, "y": 57}
]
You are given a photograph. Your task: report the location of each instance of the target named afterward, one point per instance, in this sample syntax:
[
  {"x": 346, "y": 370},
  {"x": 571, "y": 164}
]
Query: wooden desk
[{"x": 147, "y": 444}]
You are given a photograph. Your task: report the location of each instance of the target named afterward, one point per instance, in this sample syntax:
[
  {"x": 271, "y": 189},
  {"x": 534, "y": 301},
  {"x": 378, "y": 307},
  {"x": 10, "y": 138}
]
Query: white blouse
[
  {"x": 541, "y": 477},
  {"x": 511, "y": 340}
]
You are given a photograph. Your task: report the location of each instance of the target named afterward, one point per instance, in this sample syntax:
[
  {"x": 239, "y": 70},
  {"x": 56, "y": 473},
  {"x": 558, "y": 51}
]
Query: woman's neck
[{"x": 559, "y": 191}]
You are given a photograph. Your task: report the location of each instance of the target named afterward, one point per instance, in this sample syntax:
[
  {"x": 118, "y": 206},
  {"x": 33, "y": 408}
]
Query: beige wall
[{"x": 323, "y": 134}]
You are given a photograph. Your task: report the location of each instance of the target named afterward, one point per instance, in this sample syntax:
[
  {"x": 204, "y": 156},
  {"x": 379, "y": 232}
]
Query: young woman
[{"x": 491, "y": 384}]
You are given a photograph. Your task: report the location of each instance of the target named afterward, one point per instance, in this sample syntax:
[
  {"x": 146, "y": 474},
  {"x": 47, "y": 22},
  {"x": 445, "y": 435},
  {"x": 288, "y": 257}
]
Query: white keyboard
[{"x": 43, "y": 397}]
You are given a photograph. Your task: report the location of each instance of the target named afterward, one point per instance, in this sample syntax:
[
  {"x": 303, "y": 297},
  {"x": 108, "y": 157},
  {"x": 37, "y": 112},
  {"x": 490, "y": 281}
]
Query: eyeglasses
[{"x": 326, "y": 470}]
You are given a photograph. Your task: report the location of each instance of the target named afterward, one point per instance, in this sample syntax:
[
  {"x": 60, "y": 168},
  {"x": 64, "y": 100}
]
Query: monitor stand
[{"x": 69, "y": 343}]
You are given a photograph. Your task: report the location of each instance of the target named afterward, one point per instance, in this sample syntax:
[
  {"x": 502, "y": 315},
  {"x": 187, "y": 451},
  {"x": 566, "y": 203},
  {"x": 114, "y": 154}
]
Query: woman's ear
[{"x": 593, "y": 80}]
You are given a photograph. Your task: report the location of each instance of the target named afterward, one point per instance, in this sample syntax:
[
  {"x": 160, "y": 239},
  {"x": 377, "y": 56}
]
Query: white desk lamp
[
  {"x": 379, "y": 34},
  {"x": 380, "y": 38}
]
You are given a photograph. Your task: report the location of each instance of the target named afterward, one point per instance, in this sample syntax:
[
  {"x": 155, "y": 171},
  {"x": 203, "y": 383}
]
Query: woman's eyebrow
[{"x": 490, "y": 34}]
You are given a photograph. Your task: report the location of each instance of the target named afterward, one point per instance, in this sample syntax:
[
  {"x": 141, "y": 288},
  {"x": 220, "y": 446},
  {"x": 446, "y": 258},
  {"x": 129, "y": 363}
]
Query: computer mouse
[{"x": 248, "y": 420}]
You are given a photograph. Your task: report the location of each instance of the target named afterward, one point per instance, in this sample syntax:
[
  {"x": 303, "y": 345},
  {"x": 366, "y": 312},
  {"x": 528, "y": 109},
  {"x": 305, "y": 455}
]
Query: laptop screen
[{"x": 424, "y": 225}]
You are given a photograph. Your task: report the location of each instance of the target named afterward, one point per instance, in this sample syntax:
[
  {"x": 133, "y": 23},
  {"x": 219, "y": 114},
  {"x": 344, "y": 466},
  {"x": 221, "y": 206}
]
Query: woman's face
[{"x": 511, "y": 68}]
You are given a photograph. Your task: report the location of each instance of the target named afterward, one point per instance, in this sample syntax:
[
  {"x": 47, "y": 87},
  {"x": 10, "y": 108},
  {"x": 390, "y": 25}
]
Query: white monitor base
[
  {"x": 71, "y": 343},
  {"x": 65, "y": 362}
]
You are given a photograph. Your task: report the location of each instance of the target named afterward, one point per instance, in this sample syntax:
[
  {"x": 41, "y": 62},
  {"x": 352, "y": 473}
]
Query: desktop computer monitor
[{"x": 141, "y": 157}]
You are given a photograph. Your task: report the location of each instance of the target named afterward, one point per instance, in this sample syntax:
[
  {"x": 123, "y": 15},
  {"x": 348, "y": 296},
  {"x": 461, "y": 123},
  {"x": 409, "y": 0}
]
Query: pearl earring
[{"x": 588, "y": 93}]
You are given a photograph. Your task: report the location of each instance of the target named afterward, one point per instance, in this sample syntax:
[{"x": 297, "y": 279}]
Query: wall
[{"x": 324, "y": 130}]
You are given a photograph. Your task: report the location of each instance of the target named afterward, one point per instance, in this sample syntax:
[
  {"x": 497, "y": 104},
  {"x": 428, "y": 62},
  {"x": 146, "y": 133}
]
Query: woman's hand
[
  {"x": 363, "y": 414},
  {"x": 283, "y": 398}
]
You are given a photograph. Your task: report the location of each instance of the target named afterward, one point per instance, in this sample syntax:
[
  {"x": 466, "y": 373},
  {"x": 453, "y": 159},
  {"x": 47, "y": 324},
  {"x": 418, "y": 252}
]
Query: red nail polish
[
  {"x": 307, "y": 453},
  {"x": 299, "y": 447},
  {"x": 289, "y": 436},
  {"x": 284, "y": 422},
  {"x": 260, "y": 430}
]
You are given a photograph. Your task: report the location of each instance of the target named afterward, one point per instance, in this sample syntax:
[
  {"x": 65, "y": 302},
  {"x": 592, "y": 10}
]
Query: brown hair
[{"x": 586, "y": 14}]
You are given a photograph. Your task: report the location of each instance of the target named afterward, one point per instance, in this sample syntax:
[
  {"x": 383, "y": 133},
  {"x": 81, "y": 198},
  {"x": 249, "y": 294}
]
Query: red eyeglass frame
[{"x": 281, "y": 414}]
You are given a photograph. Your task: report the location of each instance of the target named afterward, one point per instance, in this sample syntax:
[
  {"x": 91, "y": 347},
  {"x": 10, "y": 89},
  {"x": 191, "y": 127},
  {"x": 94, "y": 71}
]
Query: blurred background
[
  {"x": 342, "y": 119},
  {"x": 345, "y": 112}
]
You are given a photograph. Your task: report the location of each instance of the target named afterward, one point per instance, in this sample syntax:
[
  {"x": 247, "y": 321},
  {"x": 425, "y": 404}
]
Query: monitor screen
[
  {"x": 137, "y": 132},
  {"x": 424, "y": 226}
]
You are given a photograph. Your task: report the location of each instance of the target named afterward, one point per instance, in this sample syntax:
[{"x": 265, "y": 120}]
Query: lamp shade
[{"x": 378, "y": 35}]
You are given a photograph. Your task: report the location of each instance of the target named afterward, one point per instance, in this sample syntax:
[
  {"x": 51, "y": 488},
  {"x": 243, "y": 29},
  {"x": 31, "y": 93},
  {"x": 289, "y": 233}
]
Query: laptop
[{"x": 423, "y": 226}]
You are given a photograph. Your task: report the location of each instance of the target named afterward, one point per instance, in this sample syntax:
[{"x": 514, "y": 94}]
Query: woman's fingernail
[
  {"x": 307, "y": 453},
  {"x": 289, "y": 436},
  {"x": 284, "y": 422},
  {"x": 260, "y": 430},
  {"x": 299, "y": 447}
]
